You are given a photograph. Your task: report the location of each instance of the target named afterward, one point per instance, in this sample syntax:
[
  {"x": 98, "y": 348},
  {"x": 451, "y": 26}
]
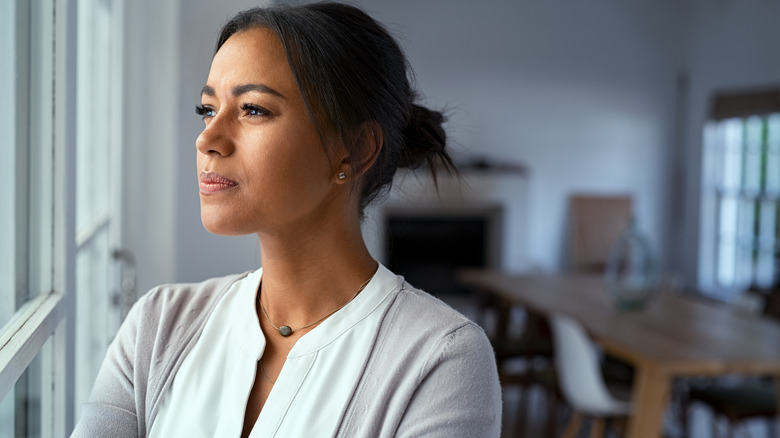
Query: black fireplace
[{"x": 429, "y": 246}]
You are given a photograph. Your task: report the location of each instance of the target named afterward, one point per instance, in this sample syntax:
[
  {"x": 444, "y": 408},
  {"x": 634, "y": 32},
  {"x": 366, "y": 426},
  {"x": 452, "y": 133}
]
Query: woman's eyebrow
[{"x": 241, "y": 89}]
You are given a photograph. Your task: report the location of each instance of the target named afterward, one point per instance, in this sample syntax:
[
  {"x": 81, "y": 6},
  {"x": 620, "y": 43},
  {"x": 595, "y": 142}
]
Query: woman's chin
[{"x": 221, "y": 227}]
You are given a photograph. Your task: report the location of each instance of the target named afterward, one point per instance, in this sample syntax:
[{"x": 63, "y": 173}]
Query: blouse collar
[{"x": 381, "y": 285}]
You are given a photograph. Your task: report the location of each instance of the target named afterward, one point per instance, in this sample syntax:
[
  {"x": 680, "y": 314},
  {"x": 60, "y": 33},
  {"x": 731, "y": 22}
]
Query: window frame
[
  {"x": 23, "y": 337},
  {"x": 42, "y": 326},
  {"x": 731, "y": 105}
]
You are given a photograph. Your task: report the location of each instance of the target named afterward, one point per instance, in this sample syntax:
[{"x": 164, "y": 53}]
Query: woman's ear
[{"x": 367, "y": 141}]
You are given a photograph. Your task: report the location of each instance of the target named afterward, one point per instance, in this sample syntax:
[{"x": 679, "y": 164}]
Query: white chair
[{"x": 580, "y": 378}]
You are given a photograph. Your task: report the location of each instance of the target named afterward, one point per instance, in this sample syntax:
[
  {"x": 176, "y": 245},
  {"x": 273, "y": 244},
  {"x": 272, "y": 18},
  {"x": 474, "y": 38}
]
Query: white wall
[{"x": 583, "y": 93}]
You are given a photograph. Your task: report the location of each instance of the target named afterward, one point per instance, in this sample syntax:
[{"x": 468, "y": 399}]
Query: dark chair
[
  {"x": 535, "y": 348},
  {"x": 737, "y": 402}
]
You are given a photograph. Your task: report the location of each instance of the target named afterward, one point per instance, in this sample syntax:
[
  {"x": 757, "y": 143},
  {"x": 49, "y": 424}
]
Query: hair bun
[{"x": 424, "y": 140}]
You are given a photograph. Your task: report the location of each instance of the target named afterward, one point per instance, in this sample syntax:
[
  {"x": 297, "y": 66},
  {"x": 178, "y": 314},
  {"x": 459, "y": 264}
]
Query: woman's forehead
[{"x": 254, "y": 56}]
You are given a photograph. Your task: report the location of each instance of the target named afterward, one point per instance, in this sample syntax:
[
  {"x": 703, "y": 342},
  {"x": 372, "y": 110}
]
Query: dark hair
[{"x": 349, "y": 70}]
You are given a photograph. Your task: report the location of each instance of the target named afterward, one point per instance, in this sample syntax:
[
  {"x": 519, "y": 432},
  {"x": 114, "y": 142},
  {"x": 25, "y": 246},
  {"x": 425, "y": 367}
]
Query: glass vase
[{"x": 632, "y": 274}]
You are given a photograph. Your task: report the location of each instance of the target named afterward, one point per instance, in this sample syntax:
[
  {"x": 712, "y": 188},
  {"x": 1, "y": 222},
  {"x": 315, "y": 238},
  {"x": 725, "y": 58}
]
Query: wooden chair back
[{"x": 596, "y": 222}]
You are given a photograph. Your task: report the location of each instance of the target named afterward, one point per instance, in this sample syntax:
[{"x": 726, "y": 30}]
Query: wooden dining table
[{"x": 674, "y": 336}]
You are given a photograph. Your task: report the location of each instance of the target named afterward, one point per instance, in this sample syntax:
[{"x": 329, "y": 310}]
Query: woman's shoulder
[
  {"x": 173, "y": 298},
  {"x": 417, "y": 323},
  {"x": 431, "y": 369},
  {"x": 417, "y": 305},
  {"x": 175, "y": 312}
]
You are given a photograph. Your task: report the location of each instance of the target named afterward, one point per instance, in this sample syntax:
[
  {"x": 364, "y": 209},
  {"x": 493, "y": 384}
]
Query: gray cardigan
[{"x": 431, "y": 372}]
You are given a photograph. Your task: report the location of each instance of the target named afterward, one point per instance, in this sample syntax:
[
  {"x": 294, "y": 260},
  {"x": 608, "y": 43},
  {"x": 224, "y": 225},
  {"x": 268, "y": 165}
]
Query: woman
[{"x": 308, "y": 112}]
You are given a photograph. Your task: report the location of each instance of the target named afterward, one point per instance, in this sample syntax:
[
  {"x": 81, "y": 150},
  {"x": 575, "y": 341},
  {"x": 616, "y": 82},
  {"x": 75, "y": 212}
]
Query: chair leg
[
  {"x": 729, "y": 429},
  {"x": 552, "y": 415},
  {"x": 574, "y": 425},
  {"x": 714, "y": 426},
  {"x": 597, "y": 428},
  {"x": 522, "y": 411},
  {"x": 619, "y": 425},
  {"x": 685, "y": 418}
]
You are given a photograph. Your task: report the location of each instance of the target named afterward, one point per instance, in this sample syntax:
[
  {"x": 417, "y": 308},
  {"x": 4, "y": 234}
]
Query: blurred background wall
[{"x": 593, "y": 97}]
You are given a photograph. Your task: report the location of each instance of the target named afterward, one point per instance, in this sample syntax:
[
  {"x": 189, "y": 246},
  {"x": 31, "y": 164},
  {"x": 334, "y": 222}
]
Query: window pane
[
  {"x": 765, "y": 254},
  {"x": 773, "y": 155},
  {"x": 728, "y": 241},
  {"x": 93, "y": 329},
  {"x": 747, "y": 153},
  {"x": 26, "y": 218},
  {"x": 21, "y": 409},
  {"x": 26, "y": 40},
  {"x": 751, "y": 173},
  {"x": 13, "y": 168},
  {"x": 40, "y": 127},
  {"x": 732, "y": 146},
  {"x": 98, "y": 197}
]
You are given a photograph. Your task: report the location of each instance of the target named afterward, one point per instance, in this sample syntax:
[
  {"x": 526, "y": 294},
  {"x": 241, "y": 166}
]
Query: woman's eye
[
  {"x": 205, "y": 111},
  {"x": 254, "y": 110}
]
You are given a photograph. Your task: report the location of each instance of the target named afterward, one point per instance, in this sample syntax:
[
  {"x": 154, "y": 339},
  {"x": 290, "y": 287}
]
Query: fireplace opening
[{"x": 428, "y": 247}]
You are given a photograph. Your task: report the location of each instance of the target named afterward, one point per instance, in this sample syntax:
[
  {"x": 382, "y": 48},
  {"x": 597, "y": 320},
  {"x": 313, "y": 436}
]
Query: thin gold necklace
[{"x": 286, "y": 330}]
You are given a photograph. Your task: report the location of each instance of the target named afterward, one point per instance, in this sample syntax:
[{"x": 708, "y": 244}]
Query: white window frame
[
  {"x": 44, "y": 317},
  {"x": 724, "y": 137},
  {"x": 44, "y": 331}
]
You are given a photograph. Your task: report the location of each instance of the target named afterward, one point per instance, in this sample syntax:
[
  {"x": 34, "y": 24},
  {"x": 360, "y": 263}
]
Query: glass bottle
[{"x": 632, "y": 273}]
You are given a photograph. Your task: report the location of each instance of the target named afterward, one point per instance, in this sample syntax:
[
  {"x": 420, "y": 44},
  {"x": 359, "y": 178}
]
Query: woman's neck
[{"x": 305, "y": 277}]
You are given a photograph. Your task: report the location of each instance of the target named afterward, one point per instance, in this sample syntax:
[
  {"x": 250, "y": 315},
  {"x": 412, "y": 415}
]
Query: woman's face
[{"x": 261, "y": 164}]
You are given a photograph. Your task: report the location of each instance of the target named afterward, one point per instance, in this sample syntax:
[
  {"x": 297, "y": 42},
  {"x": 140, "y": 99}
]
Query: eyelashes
[
  {"x": 204, "y": 111},
  {"x": 255, "y": 110},
  {"x": 249, "y": 109}
]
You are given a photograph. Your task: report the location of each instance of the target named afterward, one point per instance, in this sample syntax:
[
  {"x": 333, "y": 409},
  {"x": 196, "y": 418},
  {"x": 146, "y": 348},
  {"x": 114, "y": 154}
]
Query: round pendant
[{"x": 285, "y": 331}]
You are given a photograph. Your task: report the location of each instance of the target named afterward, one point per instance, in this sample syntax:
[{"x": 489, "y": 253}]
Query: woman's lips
[{"x": 211, "y": 182}]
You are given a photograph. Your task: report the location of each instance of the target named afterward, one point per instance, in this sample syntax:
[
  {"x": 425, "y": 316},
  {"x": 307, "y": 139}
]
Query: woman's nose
[{"x": 215, "y": 138}]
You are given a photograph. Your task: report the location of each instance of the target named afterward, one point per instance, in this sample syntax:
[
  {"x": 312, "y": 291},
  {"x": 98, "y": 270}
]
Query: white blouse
[{"x": 209, "y": 392}]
